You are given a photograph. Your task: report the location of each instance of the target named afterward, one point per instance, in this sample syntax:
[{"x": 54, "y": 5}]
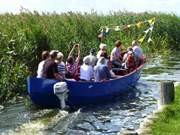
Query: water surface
[{"x": 125, "y": 112}]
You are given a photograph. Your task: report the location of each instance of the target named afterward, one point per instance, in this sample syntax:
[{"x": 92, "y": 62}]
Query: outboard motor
[{"x": 61, "y": 90}]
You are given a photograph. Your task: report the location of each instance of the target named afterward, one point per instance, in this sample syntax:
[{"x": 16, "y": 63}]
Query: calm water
[{"x": 125, "y": 112}]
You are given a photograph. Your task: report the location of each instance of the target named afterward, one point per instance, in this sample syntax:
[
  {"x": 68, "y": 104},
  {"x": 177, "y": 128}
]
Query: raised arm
[
  {"x": 79, "y": 52},
  {"x": 70, "y": 54}
]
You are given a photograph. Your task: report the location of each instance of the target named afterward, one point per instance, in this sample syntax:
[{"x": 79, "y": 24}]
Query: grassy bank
[
  {"x": 168, "y": 122},
  {"x": 23, "y": 37}
]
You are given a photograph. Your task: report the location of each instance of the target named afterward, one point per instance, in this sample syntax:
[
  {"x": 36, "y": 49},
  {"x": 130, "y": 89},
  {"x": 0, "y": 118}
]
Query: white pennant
[
  {"x": 107, "y": 29},
  {"x": 149, "y": 40},
  {"x": 146, "y": 31},
  {"x": 151, "y": 28},
  {"x": 117, "y": 28}
]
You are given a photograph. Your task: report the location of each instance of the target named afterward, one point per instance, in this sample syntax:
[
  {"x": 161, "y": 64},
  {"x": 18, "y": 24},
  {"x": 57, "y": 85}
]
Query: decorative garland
[{"x": 104, "y": 30}]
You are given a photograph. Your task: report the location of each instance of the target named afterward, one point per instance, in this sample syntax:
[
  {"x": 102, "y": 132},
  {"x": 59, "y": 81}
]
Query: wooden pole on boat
[{"x": 167, "y": 92}]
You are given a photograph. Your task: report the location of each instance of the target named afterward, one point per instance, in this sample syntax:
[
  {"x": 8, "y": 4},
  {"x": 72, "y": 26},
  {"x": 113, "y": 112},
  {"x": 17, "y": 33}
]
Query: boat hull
[{"x": 80, "y": 93}]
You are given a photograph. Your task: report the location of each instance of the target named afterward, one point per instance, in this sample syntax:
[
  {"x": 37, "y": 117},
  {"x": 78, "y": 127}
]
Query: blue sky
[{"x": 101, "y": 6}]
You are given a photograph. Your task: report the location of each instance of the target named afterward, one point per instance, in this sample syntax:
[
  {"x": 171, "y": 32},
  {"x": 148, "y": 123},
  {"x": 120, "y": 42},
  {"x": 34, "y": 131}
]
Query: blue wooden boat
[{"x": 80, "y": 93}]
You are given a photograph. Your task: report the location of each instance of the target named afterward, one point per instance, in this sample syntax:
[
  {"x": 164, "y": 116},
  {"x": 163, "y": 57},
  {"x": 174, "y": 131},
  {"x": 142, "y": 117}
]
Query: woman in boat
[
  {"x": 102, "y": 50},
  {"x": 101, "y": 71},
  {"x": 86, "y": 70},
  {"x": 60, "y": 64},
  {"x": 116, "y": 55},
  {"x": 108, "y": 63},
  {"x": 72, "y": 65},
  {"x": 44, "y": 56}
]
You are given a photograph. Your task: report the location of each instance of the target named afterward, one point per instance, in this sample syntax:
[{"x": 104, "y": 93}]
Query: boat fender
[{"x": 61, "y": 91}]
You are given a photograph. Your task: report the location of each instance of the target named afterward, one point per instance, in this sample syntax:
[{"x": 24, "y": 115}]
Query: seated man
[
  {"x": 50, "y": 70},
  {"x": 137, "y": 52},
  {"x": 101, "y": 71}
]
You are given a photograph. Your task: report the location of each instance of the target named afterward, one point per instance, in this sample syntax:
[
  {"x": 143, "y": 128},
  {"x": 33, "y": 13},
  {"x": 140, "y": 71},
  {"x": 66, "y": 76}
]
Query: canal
[{"x": 124, "y": 112}]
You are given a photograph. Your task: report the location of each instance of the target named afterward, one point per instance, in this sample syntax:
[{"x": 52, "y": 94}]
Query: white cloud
[{"x": 103, "y": 6}]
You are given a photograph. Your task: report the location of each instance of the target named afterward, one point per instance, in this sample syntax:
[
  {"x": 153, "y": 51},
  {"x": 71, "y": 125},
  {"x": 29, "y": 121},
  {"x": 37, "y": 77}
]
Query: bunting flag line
[
  {"x": 149, "y": 30},
  {"x": 104, "y": 30}
]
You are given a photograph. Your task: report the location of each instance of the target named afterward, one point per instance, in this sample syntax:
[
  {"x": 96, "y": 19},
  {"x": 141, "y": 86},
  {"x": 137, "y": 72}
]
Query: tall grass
[{"x": 23, "y": 37}]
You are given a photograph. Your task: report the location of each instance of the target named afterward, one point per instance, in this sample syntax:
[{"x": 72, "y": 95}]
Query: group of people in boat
[{"x": 94, "y": 67}]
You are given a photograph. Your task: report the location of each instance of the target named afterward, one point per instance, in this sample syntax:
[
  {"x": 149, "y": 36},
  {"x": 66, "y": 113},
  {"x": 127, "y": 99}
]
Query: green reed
[{"x": 24, "y": 36}]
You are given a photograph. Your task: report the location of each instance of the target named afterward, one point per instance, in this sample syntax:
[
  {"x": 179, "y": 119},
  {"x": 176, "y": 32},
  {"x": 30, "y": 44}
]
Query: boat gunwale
[{"x": 106, "y": 81}]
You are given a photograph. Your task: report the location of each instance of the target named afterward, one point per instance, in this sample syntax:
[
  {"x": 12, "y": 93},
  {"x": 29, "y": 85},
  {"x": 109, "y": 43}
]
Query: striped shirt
[{"x": 61, "y": 68}]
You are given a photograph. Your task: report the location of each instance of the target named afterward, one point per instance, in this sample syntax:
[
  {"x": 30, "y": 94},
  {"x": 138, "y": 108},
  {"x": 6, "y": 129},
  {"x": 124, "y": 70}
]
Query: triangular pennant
[
  {"x": 117, "y": 28},
  {"x": 107, "y": 29},
  {"x": 139, "y": 24},
  {"x": 151, "y": 21},
  {"x": 146, "y": 31},
  {"x": 151, "y": 28},
  {"x": 129, "y": 26},
  {"x": 142, "y": 39},
  {"x": 149, "y": 40}
]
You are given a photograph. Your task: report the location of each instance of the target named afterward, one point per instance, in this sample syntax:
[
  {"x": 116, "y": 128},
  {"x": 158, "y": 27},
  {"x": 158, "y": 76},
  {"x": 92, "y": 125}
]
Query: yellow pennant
[
  {"x": 142, "y": 39},
  {"x": 151, "y": 21},
  {"x": 139, "y": 24}
]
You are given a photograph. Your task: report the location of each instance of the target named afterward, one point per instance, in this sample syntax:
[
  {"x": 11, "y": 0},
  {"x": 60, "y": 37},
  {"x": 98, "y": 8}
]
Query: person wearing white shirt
[
  {"x": 44, "y": 55},
  {"x": 86, "y": 70}
]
